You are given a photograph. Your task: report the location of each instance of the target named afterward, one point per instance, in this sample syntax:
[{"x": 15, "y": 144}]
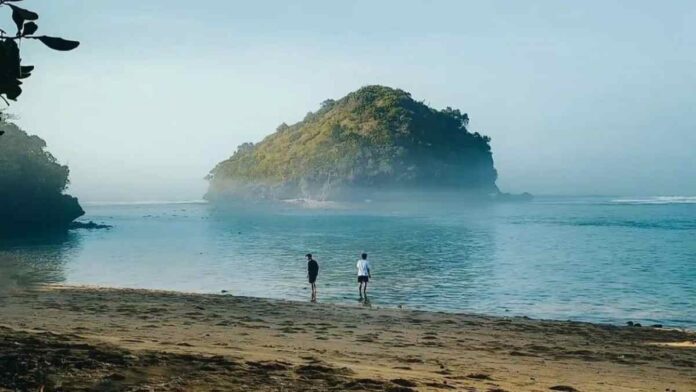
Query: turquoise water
[{"x": 592, "y": 259}]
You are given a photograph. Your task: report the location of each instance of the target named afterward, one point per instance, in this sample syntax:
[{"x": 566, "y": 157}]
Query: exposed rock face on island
[
  {"x": 376, "y": 139},
  {"x": 31, "y": 185}
]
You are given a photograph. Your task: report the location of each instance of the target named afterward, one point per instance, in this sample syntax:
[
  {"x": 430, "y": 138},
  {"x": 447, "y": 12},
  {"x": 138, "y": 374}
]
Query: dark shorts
[
  {"x": 363, "y": 279},
  {"x": 312, "y": 279}
]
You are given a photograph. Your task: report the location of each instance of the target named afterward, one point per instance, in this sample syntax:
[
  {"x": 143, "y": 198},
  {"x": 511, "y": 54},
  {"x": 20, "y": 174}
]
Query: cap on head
[
  {"x": 364, "y": 256},
  {"x": 309, "y": 255}
]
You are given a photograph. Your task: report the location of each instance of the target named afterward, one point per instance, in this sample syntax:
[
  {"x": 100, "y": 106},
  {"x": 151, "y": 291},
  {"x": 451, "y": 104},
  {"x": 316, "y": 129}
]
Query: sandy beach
[{"x": 79, "y": 338}]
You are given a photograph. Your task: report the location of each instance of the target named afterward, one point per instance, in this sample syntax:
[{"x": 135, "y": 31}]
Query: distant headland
[
  {"x": 32, "y": 185},
  {"x": 375, "y": 139}
]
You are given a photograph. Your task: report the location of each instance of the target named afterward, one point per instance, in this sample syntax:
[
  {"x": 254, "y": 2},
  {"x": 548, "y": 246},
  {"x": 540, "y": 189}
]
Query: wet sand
[{"x": 77, "y": 338}]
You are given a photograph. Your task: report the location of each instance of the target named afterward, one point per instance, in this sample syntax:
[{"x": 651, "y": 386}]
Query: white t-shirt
[{"x": 363, "y": 267}]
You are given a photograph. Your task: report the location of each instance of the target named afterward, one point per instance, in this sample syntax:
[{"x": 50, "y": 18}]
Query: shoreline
[
  {"x": 378, "y": 306},
  {"x": 128, "y": 338}
]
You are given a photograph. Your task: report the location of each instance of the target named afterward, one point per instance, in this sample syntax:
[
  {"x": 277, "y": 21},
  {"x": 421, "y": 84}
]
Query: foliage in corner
[{"x": 11, "y": 69}]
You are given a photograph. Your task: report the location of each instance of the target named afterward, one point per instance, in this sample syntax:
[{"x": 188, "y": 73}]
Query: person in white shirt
[{"x": 363, "y": 274}]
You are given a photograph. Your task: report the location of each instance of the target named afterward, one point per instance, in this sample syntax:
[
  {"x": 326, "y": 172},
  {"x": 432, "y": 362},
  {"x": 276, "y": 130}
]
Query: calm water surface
[{"x": 591, "y": 259}]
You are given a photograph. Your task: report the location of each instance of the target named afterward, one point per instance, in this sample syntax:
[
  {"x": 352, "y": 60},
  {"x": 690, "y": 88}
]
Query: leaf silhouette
[
  {"x": 11, "y": 71},
  {"x": 25, "y": 71},
  {"x": 20, "y": 15},
  {"x": 13, "y": 91},
  {"x": 57, "y": 43},
  {"x": 30, "y": 28},
  {"x": 24, "y": 13}
]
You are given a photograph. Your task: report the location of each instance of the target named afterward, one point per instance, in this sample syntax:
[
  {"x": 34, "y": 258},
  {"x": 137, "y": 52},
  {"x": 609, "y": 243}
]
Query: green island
[
  {"x": 32, "y": 183},
  {"x": 375, "y": 139}
]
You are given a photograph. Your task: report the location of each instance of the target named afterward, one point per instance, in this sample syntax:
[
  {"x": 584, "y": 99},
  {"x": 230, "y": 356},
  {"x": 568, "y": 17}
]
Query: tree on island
[
  {"x": 374, "y": 139},
  {"x": 32, "y": 183}
]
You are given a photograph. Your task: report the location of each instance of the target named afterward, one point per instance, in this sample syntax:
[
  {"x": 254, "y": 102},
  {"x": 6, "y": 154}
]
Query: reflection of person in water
[{"x": 312, "y": 272}]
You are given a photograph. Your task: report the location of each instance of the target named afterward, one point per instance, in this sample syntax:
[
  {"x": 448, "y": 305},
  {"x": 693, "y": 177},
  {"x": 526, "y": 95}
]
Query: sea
[{"x": 596, "y": 259}]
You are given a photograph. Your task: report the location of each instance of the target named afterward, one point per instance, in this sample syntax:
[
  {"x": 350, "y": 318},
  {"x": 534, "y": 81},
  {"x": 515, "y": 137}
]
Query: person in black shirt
[{"x": 312, "y": 272}]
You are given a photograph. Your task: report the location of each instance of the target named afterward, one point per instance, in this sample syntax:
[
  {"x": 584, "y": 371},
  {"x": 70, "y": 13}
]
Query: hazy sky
[{"x": 592, "y": 97}]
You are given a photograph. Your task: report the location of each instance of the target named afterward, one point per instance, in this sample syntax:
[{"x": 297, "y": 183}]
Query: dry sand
[{"x": 76, "y": 338}]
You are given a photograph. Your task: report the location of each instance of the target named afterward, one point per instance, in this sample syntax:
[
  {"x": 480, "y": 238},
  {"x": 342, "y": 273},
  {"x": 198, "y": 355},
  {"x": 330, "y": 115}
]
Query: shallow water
[{"x": 591, "y": 259}]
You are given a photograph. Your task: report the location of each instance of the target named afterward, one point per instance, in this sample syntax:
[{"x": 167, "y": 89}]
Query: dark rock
[
  {"x": 45, "y": 213},
  {"x": 479, "y": 376},
  {"x": 563, "y": 388},
  {"x": 404, "y": 383},
  {"x": 511, "y": 197},
  {"x": 88, "y": 225}
]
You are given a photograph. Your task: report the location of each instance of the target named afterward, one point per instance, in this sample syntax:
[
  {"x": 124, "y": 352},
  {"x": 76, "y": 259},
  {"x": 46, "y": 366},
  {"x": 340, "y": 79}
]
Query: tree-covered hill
[
  {"x": 376, "y": 138},
  {"x": 32, "y": 184}
]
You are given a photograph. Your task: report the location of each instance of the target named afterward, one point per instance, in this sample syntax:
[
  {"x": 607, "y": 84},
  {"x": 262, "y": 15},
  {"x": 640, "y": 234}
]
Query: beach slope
[{"x": 76, "y": 338}]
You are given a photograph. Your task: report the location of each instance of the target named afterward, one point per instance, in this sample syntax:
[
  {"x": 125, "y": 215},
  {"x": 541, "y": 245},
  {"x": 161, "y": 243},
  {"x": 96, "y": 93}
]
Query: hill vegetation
[
  {"x": 376, "y": 138},
  {"x": 32, "y": 184}
]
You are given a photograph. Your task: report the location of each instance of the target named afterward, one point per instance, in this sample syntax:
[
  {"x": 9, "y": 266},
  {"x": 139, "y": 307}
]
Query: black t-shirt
[{"x": 312, "y": 267}]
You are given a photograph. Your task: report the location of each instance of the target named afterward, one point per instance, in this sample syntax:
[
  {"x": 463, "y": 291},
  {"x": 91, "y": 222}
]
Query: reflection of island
[
  {"x": 32, "y": 184},
  {"x": 36, "y": 259},
  {"x": 376, "y": 139}
]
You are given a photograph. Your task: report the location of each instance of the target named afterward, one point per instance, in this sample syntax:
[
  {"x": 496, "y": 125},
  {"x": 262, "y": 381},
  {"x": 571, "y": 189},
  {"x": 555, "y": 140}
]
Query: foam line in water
[
  {"x": 658, "y": 200},
  {"x": 142, "y": 202}
]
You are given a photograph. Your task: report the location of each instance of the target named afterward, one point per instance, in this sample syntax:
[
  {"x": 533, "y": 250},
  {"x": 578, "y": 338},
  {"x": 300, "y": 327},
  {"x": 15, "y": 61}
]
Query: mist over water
[
  {"x": 589, "y": 99},
  {"x": 593, "y": 259}
]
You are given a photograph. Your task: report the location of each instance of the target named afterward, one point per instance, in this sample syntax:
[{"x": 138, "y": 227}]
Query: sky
[{"x": 579, "y": 98}]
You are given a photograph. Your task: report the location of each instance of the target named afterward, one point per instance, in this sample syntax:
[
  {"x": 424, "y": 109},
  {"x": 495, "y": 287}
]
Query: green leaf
[
  {"x": 57, "y": 43},
  {"x": 30, "y": 28}
]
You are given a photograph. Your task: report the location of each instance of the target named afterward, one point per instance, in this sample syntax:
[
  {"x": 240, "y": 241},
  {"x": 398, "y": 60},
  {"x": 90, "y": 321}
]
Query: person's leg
[
  {"x": 360, "y": 286},
  {"x": 365, "y": 289}
]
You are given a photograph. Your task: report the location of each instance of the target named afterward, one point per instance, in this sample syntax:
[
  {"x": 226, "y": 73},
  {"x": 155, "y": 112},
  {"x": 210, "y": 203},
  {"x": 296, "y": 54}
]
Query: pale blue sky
[{"x": 592, "y": 97}]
